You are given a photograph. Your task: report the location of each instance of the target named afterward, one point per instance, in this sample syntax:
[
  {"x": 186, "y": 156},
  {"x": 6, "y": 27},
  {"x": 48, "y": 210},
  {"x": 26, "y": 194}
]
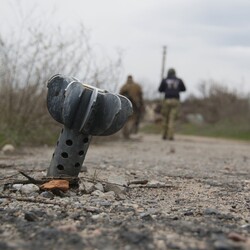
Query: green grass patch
[
  {"x": 151, "y": 128},
  {"x": 225, "y": 129},
  {"x": 35, "y": 137}
]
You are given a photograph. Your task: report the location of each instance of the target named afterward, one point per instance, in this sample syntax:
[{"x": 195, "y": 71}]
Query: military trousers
[
  {"x": 132, "y": 125},
  {"x": 170, "y": 109}
]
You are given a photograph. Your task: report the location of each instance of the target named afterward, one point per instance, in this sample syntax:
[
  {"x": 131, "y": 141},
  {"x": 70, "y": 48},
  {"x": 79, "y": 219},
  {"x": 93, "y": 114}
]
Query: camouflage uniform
[
  {"x": 171, "y": 86},
  {"x": 133, "y": 92}
]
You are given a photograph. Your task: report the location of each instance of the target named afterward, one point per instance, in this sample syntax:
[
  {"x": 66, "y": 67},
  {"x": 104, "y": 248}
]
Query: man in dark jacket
[{"x": 171, "y": 87}]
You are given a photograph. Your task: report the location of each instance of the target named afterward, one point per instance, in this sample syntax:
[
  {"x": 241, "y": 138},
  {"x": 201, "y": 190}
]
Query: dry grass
[{"x": 27, "y": 61}]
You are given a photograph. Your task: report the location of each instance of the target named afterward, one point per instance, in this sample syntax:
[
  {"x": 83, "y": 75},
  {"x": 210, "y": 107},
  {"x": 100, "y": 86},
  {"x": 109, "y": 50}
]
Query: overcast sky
[{"x": 205, "y": 39}]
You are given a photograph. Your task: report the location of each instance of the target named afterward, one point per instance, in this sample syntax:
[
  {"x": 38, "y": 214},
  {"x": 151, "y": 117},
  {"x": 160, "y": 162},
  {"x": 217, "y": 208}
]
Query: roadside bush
[
  {"x": 218, "y": 103},
  {"x": 225, "y": 112}
]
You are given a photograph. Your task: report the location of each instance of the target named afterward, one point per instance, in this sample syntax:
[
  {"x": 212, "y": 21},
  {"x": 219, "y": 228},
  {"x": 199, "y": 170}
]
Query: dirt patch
[{"x": 198, "y": 198}]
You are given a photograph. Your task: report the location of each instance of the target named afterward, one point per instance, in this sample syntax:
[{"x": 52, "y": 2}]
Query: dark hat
[{"x": 171, "y": 72}]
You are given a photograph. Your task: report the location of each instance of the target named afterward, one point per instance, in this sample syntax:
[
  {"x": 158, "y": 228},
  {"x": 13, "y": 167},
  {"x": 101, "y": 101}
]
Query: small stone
[
  {"x": 8, "y": 149},
  {"x": 29, "y": 216},
  {"x": 17, "y": 186},
  {"x": 211, "y": 211},
  {"x": 146, "y": 216},
  {"x": 188, "y": 213},
  {"x": 100, "y": 217},
  {"x": 47, "y": 194},
  {"x": 155, "y": 184},
  {"x": 92, "y": 209},
  {"x": 236, "y": 237},
  {"x": 29, "y": 188},
  {"x": 110, "y": 167},
  {"x": 119, "y": 180},
  {"x": 115, "y": 188},
  {"x": 69, "y": 228},
  {"x": 87, "y": 187},
  {"x": 99, "y": 186},
  {"x": 95, "y": 216},
  {"x": 161, "y": 245},
  {"x": 109, "y": 195},
  {"x": 84, "y": 169},
  {"x": 97, "y": 193},
  {"x": 121, "y": 197},
  {"x": 101, "y": 202},
  {"x": 105, "y": 203},
  {"x": 246, "y": 226}
]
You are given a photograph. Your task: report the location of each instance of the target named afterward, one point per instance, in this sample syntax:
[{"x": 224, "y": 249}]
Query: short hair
[{"x": 171, "y": 72}]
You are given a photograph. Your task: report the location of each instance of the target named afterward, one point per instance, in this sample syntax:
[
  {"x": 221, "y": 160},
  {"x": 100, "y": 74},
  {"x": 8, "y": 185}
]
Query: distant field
[{"x": 240, "y": 131}]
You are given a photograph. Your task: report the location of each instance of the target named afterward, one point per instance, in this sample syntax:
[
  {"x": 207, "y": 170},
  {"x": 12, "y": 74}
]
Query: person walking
[
  {"x": 133, "y": 92},
  {"x": 171, "y": 86}
]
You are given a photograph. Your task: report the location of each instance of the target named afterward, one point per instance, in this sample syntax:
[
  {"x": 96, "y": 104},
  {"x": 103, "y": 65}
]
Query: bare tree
[{"x": 28, "y": 59}]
